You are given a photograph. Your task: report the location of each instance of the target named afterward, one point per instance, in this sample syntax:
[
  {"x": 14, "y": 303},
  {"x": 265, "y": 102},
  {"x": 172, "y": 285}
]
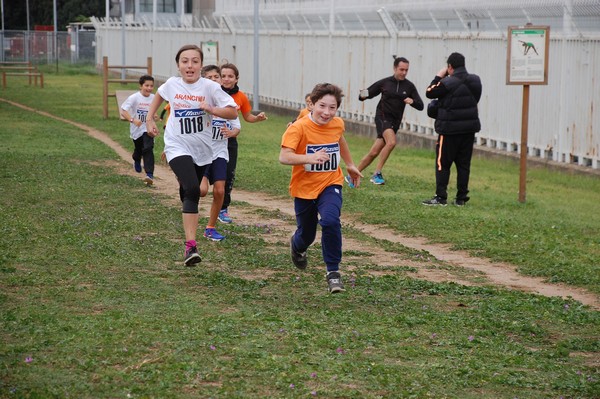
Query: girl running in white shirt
[{"x": 188, "y": 138}]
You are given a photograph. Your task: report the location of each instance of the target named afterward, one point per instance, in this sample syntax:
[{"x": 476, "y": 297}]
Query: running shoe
[
  {"x": 435, "y": 201},
  {"x": 378, "y": 179},
  {"x": 137, "y": 166},
  {"x": 349, "y": 181},
  {"x": 192, "y": 257},
  {"x": 334, "y": 282},
  {"x": 213, "y": 234},
  {"x": 298, "y": 258},
  {"x": 224, "y": 217},
  {"x": 149, "y": 179}
]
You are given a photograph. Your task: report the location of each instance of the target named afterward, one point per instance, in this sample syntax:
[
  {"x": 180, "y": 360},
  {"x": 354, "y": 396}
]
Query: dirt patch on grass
[
  {"x": 459, "y": 266},
  {"x": 464, "y": 269}
]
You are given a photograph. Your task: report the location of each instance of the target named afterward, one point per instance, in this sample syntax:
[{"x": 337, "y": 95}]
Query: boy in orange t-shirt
[{"x": 314, "y": 146}]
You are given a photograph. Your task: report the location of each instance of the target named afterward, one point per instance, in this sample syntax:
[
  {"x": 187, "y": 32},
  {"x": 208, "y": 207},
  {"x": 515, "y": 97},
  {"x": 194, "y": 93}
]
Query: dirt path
[{"x": 460, "y": 267}]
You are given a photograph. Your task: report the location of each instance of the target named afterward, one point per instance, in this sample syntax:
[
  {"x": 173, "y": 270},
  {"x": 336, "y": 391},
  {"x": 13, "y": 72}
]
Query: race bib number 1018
[{"x": 190, "y": 120}]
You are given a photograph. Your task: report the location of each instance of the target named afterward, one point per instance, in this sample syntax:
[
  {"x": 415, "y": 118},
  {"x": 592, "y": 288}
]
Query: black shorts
[{"x": 382, "y": 124}]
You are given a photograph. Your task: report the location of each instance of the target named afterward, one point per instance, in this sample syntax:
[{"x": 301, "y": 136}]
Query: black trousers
[
  {"x": 144, "y": 149},
  {"x": 232, "y": 147},
  {"x": 457, "y": 149}
]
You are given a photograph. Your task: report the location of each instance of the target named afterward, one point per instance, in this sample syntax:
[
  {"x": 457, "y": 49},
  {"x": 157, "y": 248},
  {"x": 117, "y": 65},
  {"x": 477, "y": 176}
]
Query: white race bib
[
  {"x": 217, "y": 125},
  {"x": 331, "y": 165}
]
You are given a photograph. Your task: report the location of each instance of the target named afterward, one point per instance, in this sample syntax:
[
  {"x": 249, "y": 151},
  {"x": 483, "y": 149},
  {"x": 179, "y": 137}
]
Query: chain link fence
[{"x": 40, "y": 47}]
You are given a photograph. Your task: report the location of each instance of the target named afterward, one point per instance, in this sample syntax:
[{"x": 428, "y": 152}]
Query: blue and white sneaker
[
  {"x": 149, "y": 179},
  {"x": 224, "y": 217},
  {"x": 377, "y": 178},
  {"x": 349, "y": 181},
  {"x": 213, "y": 234}
]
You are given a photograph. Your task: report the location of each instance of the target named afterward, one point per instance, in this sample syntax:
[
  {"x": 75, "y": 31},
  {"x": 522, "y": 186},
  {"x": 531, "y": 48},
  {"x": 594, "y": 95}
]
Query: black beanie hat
[{"x": 457, "y": 60}]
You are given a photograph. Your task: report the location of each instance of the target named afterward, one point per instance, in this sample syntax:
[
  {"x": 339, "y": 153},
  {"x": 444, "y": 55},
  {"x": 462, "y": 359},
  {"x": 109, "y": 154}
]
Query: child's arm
[
  {"x": 235, "y": 129},
  {"x": 129, "y": 118},
  {"x": 129, "y": 105},
  {"x": 150, "y": 119},
  {"x": 222, "y": 112},
  {"x": 350, "y": 167},
  {"x": 250, "y": 117},
  {"x": 288, "y": 156}
]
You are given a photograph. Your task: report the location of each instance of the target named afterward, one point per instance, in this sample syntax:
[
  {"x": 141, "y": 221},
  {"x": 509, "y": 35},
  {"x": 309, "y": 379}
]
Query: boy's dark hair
[
  {"x": 398, "y": 60},
  {"x": 208, "y": 68},
  {"x": 145, "y": 78},
  {"x": 322, "y": 89},
  {"x": 232, "y": 67},
  {"x": 189, "y": 47}
]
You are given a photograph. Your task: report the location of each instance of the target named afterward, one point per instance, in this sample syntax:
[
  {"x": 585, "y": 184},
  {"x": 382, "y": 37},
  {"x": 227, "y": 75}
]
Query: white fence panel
[{"x": 563, "y": 125}]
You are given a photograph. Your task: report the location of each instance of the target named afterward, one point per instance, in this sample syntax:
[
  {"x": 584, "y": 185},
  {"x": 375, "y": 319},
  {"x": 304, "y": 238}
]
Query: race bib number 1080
[
  {"x": 190, "y": 120},
  {"x": 333, "y": 150}
]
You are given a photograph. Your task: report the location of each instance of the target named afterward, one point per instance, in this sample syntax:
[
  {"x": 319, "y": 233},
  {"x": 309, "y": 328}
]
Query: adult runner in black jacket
[
  {"x": 457, "y": 121},
  {"x": 396, "y": 92}
]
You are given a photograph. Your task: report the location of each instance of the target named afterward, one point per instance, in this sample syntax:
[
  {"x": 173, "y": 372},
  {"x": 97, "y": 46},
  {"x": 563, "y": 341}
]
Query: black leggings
[{"x": 189, "y": 176}]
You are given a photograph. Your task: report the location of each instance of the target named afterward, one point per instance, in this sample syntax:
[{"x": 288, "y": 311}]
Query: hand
[
  {"x": 230, "y": 133},
  {"x": 442, "y": 73},
  {"x": 318, "y": 157},
  {"x": 408, "y": 101},
  {"x": 151, "y": 129},
  {"x": 261, "y": 117},
  {"x": 206, "y": 107},
  {"x": 355, "y": 174}
]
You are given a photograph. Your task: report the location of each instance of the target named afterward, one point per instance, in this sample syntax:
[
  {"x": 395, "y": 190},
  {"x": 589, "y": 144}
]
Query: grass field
[{"x": 95, "y": 302}]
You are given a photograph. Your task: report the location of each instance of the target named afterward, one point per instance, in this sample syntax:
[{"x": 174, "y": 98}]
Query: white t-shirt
[
  {"x": 219, "y": 143},
  {"x": 189, "y": 128},
  {"x": 137, "y": 105}
]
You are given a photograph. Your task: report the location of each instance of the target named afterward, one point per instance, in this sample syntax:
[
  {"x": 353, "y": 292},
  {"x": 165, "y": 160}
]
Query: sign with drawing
[
  {"x": 527, "y": 59},
  {"x": 211, "y": 52}
]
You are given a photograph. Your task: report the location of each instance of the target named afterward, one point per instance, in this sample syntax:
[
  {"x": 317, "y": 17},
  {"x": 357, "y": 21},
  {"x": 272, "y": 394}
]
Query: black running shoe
[
  {"x": 334, "y": 282},
  {"x": 298, "y": 258},
  {"x": 435, "y": 201},
  {"x": 192, "y": 257}
]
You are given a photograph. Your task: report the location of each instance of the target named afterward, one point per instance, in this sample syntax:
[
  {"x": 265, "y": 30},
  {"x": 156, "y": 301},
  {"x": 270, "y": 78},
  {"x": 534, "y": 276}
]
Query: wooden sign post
[{"x": 526, "y": 64}]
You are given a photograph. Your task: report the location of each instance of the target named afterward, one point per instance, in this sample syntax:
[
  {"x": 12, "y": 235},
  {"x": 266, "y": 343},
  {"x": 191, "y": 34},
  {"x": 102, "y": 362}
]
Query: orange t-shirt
[
  {"x": 305, "y": 136},
  {"x": 242, "y": 102},
  {"x": 303, "y": 113}
]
